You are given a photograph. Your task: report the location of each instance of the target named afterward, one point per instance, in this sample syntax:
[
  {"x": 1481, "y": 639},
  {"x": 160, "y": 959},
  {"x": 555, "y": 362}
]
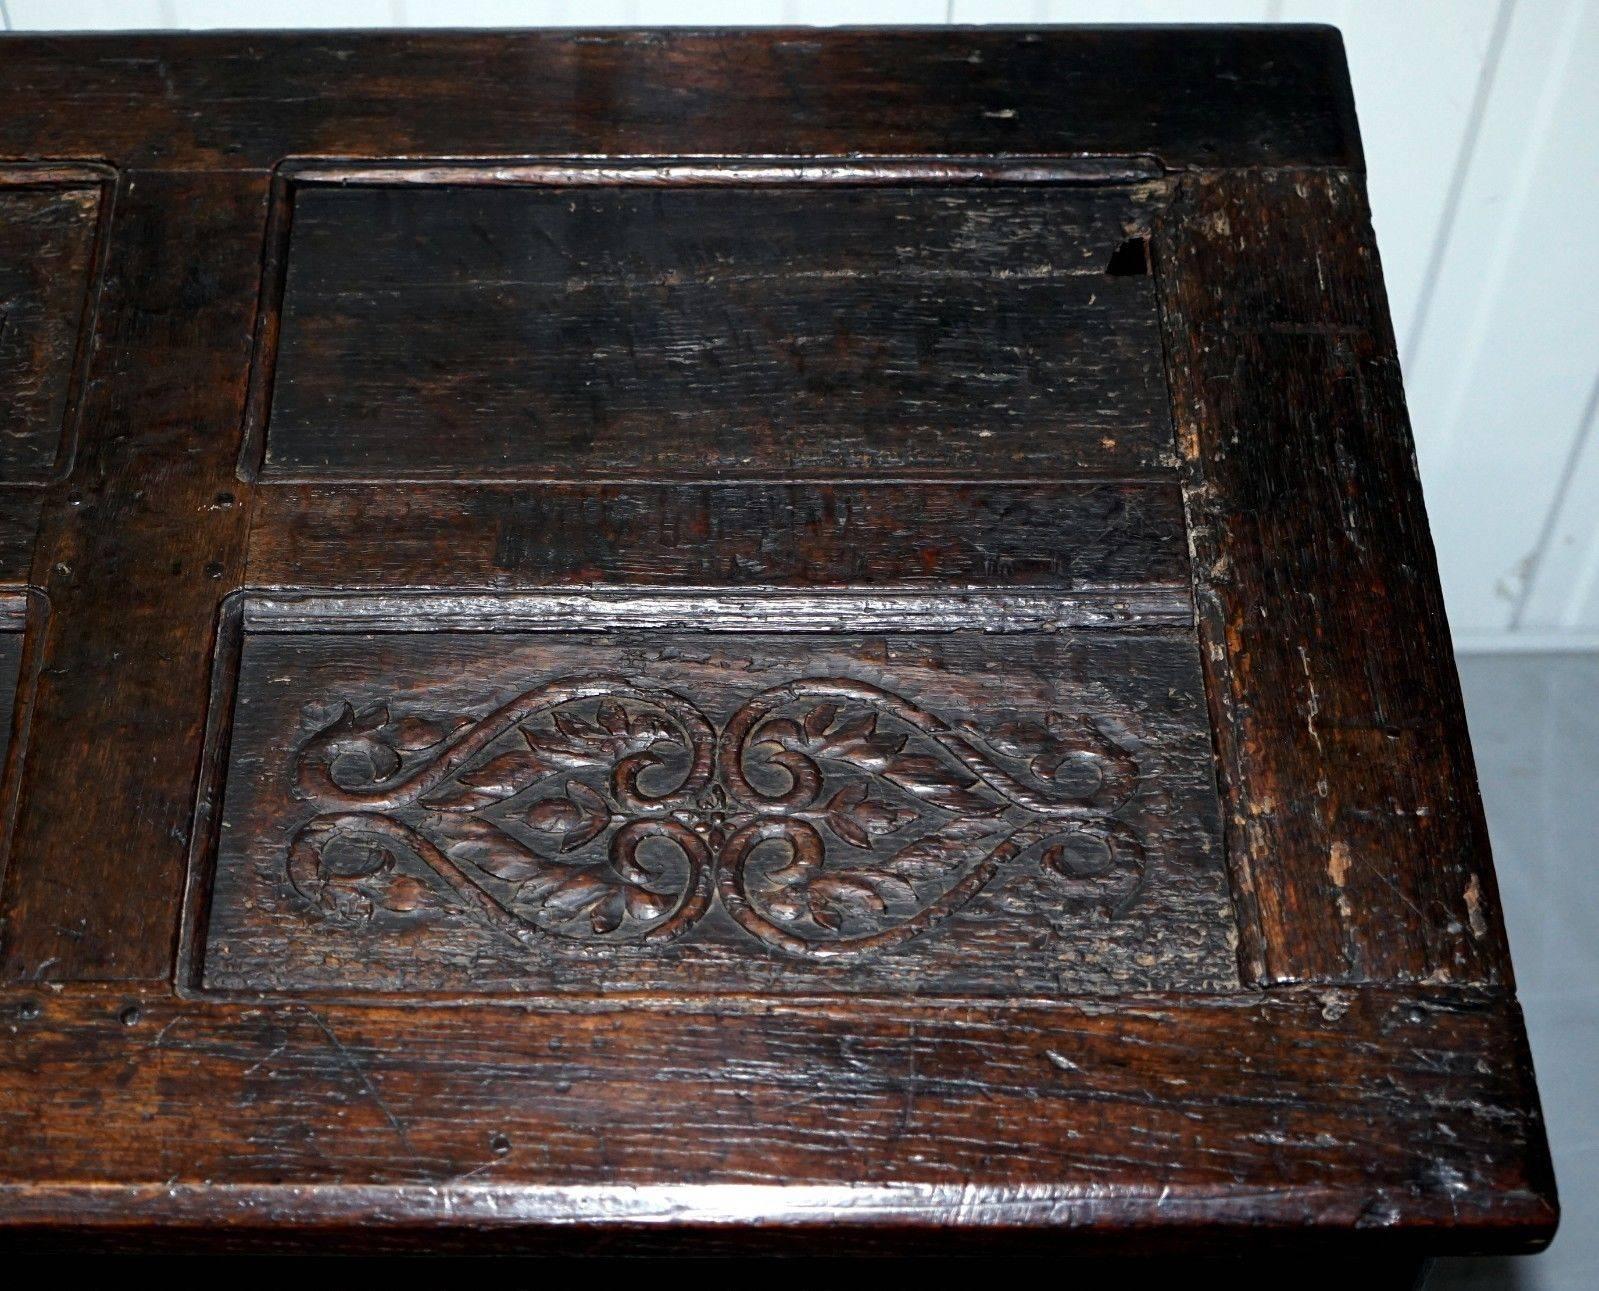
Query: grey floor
[{"x": 1535, "y": 729}]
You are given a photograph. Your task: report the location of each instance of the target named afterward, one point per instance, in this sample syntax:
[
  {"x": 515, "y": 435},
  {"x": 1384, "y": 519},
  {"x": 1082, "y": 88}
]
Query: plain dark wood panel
[
  {"x": 714, "y": 333},
  {"x": 47, "y": 244},
  {"x": 954, "y": 813},
  {"x": 1355, "y": 828},
  {"x": 135, "y": 562},
  {"x": 1200, "y": 97},
  {"x": 1078, "y": 537},
  {"x": 1157, "y": 1122}
]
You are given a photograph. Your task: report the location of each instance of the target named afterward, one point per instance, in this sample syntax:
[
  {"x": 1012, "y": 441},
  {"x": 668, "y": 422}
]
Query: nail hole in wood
[{"x": 1129, "y": 260}]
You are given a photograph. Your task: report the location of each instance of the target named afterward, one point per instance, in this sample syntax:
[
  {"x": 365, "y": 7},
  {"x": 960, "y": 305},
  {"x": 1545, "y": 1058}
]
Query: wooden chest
[{"x": 794, "y": 641}]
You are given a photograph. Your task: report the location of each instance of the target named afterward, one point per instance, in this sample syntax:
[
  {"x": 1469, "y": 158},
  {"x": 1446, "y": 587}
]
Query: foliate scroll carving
[{"x": 829, "y": 818}]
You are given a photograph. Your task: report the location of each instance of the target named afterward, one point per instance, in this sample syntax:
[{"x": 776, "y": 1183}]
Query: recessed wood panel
[
  {"x": 47, "y": 241},
  {"x": 585, "y": 330},
  {"x": 923, "y": 813}
]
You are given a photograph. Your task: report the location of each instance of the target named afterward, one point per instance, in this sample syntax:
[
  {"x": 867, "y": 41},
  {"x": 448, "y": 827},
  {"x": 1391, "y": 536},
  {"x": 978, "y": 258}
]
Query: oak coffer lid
[{"x": 661, "y": 638}]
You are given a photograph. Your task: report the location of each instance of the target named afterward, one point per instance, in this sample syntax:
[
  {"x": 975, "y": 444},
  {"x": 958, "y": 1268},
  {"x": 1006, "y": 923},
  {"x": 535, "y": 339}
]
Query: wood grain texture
[
  {"x": 1155, "y": 1123},
  {"x": 19, "y": 526},
  {"x": 48, "y": 234},
  {"x": 950, "y": 813},
  {"x": 1353, "y": 823},
  {"x": 1079, "y": 538},
  {"x": 135, "y": 559},
  {"x": 571, "y": 332},
  {"x": 191, "y": 1065},
  {"x": 10, "y": 671},
  {"x": 1213, "y": 97},
  {"x": 22, "y": 618}
]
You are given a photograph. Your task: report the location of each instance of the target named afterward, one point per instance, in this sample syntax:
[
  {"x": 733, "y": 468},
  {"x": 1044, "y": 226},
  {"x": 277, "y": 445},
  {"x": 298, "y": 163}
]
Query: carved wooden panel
[
  {"x": 48, "y": 234},
  {"x": 592, "y": 328},
  {"x": 950, "y": 812}
]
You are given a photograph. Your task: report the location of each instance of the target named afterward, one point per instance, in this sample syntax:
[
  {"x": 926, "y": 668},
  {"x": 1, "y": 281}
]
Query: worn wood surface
[
  {"x": 1143, "y": 1124},
  {"x": 11, "y": 624},
  {"x": 581, "y": 331},
  {"x": 19, "y": 525},
  {"x": 808, "y": 397},
  {"x": 1339, "y": 724},
  {"x": 49, "y": 230},
  {"x": 135, "y": 555},
  {"x": 1212, "y": 97},
  {"x": 1065, "y": 538}
]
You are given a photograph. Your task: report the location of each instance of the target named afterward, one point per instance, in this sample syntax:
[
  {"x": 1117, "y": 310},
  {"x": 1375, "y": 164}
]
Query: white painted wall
[{"x": 1481, "y": 125}]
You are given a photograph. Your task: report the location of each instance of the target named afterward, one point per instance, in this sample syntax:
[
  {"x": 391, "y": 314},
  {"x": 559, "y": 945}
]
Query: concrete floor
[{"x": 1535, "y": 729}]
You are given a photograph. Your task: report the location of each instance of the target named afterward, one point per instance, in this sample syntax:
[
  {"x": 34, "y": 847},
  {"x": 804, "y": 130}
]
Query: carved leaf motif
[
  {"x": 856, "y": 740},
  {"x": 648, "y": 729},
  {"x": 596, "y": 814},
  {"x": 371, "y": 719},
  {"x": 562, "y": 748},
  {"x": 855, "y": 817},
  {"x": 819, "y": 719},
  {"x": 507, "y": 774},
  {"x": 606, "y": 916},
  {"x": 576, "y": 818},
  {"x": 500, "y": 855},
  {"x": 891, "y": 888},
  {"x": 553, "y": 816},
  {"x": 934, "y": 781},
  {"x": 934, "y": 856},
  {"x": 579, "y": 894},
  {"x": 458, "y": 797}
]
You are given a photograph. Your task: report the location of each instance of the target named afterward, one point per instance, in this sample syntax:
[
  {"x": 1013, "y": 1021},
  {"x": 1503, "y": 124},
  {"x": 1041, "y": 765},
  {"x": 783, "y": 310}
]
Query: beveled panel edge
[
  {"x": 205, "y": 824},
  {"x": 22, "y": 614},
  {"x": 739, "y": 171},
  {"x": 771, "y": 609},
  {"x": 48, "y": 173},
  {"x": 14, "y": 609}
]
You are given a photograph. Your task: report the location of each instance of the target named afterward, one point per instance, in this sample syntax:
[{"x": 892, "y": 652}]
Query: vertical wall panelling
[
  {"x": 88, "y": 15},
  {"x": 1563, "y": 599},
  {"x": 1417, "y": 69},
  {"x": 1504, "y": 361},
  {"x": 1092, "y": 11}
]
